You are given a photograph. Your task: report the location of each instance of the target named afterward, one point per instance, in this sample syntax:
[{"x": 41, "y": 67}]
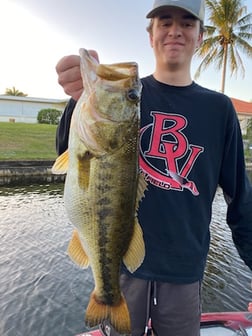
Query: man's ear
[
  {"x": 151, "y": 39},
  {"x": 200, "y": 40}
]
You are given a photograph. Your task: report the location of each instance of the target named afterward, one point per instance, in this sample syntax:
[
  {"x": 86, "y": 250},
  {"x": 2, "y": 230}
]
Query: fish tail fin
[{"x": 117, "y": 315}]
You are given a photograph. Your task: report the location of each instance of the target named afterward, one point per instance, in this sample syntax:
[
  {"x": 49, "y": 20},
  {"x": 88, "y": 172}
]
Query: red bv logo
[{"x": 168, "y": 158}]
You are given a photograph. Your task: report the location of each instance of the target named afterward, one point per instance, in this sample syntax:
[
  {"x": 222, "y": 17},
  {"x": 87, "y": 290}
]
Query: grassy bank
[{"x": 21, "y": 141}]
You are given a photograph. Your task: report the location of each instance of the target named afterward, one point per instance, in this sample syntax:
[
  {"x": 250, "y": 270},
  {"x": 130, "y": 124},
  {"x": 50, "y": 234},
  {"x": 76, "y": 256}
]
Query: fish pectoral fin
[
  {"x": 61, "y": 164},
  {"x": 134, "y": 257},
  {"x": 76, "y": 251},
  {"x": 142, "y": 187},
  {"x": 117, "y": 314}
]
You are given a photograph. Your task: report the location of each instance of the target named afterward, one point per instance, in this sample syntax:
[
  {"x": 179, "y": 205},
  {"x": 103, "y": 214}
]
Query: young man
[{"x": 190, "y": 142}]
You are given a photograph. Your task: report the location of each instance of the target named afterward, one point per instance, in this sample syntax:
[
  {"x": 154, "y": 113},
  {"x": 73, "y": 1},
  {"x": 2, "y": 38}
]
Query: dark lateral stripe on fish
[{"x": 110, "y": 296}]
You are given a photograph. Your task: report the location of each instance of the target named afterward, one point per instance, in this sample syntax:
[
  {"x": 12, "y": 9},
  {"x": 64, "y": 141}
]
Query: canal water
[{"x": 43, "y": 293}]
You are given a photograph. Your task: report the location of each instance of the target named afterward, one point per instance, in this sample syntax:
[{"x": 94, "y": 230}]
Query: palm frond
[
  {"x": 228, "y": 35},
  {"x": 245, "y": 46}
]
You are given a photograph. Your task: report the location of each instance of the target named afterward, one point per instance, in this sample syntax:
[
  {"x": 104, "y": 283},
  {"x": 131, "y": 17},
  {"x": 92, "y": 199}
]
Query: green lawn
[{"x": 21, "y": 141}]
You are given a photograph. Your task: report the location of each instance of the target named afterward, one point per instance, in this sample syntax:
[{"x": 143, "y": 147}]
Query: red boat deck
[{"x": 216, "y": 324}]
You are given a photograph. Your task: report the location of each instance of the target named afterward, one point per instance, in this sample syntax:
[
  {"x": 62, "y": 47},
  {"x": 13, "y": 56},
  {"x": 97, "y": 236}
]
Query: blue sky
[{"x": 36, "y": 34}]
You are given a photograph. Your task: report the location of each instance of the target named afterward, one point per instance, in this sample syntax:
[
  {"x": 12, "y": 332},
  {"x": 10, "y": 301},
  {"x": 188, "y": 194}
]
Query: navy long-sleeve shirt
[{"x": 190, "y": 142}]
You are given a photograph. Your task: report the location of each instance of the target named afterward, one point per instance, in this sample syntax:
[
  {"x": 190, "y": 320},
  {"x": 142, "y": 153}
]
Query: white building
[{"x": 25, "y": 109}]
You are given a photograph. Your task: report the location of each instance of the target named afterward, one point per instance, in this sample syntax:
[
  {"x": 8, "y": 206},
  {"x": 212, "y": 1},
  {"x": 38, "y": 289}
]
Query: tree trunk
[{"x": 224, "y": 67}]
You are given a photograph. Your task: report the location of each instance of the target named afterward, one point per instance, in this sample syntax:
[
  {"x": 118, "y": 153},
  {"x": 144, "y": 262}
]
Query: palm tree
[
  {"x": 14, "y": 92},
  {"x": 231, "y": 32}
]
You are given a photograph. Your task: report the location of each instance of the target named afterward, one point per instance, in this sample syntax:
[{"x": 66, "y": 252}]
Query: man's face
[{"x": 174, "y": 37}]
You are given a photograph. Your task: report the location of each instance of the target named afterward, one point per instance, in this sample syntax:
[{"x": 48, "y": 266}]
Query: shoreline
[
  {"x": 24, "y": 172},
  {"x": 39, "y": 171}
]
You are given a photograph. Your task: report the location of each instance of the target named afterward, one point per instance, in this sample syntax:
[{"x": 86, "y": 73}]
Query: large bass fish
[{"x": 103, "y": 186}]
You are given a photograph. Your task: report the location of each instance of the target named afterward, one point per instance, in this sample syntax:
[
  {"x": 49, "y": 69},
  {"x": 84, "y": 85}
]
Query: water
[
  {"x": 40, "y": 288},
  {"x": 227, "y": 282},
  {"x": 43, "y": 293}
]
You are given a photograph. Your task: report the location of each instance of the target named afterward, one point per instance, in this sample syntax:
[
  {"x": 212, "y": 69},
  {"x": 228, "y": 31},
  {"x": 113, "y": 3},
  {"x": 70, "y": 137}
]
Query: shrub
[{"x": 49, "y": 116}]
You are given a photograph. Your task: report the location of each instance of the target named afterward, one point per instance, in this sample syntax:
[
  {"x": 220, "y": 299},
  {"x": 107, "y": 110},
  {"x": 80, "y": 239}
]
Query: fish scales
[
  {"x": 103, "y": 186},
  {"x": 114, "y": 186}
]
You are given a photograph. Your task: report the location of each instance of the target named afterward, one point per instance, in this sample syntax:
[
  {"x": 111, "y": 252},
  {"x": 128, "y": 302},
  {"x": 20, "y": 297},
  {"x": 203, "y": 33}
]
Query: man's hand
[{"x": 69, "y": 75}]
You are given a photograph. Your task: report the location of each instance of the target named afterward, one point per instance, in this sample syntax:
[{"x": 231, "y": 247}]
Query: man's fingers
[
  {"x": 69, "y": 75},
  {"x": 67, "y": 62},
  {"x": 74, "y": 89}
]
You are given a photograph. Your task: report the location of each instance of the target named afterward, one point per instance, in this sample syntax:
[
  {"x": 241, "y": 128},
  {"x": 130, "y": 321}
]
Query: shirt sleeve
[
  {"x": 62, "y": 132},
  {"x": 237, "y": 191}
]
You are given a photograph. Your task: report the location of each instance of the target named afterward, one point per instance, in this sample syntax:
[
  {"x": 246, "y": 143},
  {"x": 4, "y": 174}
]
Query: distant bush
[{"x": 49, "y": 116}]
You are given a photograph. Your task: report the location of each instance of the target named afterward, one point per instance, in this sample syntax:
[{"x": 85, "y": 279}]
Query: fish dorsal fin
[
  {"x": 76, "y": 252},
  {"x": 134, "y": 257},
  {"x": 61, "y": 164},
  {"x": 142, "y": 187}
]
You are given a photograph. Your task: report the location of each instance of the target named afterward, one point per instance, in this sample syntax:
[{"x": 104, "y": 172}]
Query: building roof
[{"x": 242, "y": 106}]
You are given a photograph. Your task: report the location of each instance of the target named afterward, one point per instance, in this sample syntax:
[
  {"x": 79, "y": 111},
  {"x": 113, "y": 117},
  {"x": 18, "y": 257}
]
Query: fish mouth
[{"x": 117, "y": 71}]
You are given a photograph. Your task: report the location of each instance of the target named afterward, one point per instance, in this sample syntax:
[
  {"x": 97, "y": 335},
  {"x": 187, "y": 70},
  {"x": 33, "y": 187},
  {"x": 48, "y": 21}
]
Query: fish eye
[{"x": 133, "y": 95}]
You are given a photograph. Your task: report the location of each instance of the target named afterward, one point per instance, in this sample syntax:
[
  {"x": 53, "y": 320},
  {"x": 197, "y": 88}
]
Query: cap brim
[{"x": 155, "y": 12}]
